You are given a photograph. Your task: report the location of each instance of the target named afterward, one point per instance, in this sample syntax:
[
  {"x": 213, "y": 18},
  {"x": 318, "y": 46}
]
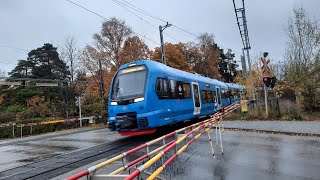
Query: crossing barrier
[
  {"x": 152, "y": 156},
  {"x": 32, "y": 125}
]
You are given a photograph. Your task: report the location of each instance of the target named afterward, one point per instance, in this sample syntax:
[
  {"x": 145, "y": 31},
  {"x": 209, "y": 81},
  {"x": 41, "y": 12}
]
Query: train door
[
  {"x": 218, "y": 95},
  {"x": 196, "y": 98}
]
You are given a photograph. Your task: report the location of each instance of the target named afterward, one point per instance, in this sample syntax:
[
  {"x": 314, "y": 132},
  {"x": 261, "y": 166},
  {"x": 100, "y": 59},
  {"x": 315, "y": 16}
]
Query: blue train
[{"x": 146, "y": 95}]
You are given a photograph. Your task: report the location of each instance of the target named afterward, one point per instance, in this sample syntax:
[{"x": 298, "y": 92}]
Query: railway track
[{"x": 61, "y": 164}]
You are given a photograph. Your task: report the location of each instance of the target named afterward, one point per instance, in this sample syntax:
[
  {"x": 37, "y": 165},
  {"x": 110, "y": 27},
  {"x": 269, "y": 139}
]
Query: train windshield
[{"x": 129, "y": 83}]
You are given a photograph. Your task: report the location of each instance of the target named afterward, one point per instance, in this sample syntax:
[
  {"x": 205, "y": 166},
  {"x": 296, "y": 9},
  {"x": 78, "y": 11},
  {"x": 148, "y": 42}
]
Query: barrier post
[
  {"x": 217, "y": 134},
  {"x": 221, "y": 146},
  {"x": 210, "y": 141},
  {"x": 176, "y": 148},
  {"x": 13, "y": 134},
  {"x": 222, "y": 125}
]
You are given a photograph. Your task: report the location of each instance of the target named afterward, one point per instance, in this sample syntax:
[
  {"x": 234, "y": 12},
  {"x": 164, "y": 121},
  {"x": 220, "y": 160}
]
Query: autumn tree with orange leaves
[
  {"x": 114, "y": 46},
  {"x": 209, "y": 53},
  {"x": 134, "y": 49},
  {"x": 175, "y": 56}
]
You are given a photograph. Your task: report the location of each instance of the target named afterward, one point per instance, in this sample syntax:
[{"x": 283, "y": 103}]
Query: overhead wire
[
  {"x": 130, "y": 5},
  {"x": 12, "y": 47},
  {"x": 97, "y": 14},
  {"x": 124, "y": 6},
  {"x": 134, "y": 7},
  {"x": 143, "y": 11}
]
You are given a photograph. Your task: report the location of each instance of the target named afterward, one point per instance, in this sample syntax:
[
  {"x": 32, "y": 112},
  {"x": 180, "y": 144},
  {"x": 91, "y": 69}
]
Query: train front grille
[
  {"x": 143, "y": 122},
  {"x": 127, "y": 120}
]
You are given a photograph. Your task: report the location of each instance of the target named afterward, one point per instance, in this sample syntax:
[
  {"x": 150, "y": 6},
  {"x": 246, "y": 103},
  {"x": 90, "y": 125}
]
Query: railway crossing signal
[
  {"x": 269, "y": 81},
  {"x": 265, "y": 68}
]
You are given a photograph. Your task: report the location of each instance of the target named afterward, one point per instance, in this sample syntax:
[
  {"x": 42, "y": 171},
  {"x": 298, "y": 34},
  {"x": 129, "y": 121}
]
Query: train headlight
[
  {"x": 139, "y": 99},
  {"x": 114, "y": 103}
]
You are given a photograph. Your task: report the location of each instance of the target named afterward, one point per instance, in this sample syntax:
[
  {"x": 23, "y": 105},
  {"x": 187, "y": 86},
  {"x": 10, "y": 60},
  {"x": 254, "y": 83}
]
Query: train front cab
[{"x": 128, "y": 98}]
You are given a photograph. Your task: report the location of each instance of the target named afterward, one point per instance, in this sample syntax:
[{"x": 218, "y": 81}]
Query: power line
[
  {"x": 123, "y": 6},
  {"x": 143, "y": 11},
  {"x": 12, "y": 47},
  {"x": 132, "y": 6},
  {"x": 101, "y": 16}
]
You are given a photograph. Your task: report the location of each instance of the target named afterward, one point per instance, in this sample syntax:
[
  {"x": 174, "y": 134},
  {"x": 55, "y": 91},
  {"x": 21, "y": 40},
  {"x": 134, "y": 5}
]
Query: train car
[
  {"x": 146, "y": 95},
  {"x": 235, "y": 92}
]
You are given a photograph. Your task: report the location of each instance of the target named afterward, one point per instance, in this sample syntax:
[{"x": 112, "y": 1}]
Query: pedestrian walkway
[{"x": 312, "y": 127}]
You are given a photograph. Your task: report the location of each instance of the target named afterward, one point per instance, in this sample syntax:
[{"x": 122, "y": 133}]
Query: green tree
[
  {"x": 228, "y": 66},
  {"x": 47, "y": 63},
  {"x": 22, "y": 70}
]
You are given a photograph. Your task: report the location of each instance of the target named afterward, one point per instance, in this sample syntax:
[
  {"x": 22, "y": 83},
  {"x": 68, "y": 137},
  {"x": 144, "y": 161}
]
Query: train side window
[
  {"x": 224, "y": 93},
  {"x": 204, "y": 98},
  {"x": 179, "y": 90},
  {"x": 173, "y": 89},
  {"x": 213, "y": 96},
  {"x": 186, "y": 90},
  {"x": 162, "y": 89},
  {"x": 209, "y": 96}
]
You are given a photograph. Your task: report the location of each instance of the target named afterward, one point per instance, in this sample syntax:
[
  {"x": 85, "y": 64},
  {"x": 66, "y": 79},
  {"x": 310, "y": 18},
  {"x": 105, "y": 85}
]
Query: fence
[
  {"x": 12, "y": 130},
  {"x": 154, "y": 158}
]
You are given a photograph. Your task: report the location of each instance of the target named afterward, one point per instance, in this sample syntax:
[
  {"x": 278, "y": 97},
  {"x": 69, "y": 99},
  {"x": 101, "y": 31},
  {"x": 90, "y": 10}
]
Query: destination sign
[{"x": 132, "y": 69}]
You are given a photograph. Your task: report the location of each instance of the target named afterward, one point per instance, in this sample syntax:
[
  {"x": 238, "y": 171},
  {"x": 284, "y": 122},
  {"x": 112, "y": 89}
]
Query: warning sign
[{"x": 244, "y": 106}]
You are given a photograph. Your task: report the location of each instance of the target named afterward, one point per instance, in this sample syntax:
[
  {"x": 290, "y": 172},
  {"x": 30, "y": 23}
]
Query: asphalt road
[
  {"x": 247, "y": 155},
  {"x": 27, "y": 150}
]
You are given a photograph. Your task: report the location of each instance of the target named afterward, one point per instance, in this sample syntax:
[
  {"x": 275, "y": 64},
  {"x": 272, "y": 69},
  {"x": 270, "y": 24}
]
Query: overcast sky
[{"x": 28, "y": 24}]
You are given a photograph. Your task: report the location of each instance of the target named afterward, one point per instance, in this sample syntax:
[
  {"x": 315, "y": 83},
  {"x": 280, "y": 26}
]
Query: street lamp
[{"x": 163, "y": 53}]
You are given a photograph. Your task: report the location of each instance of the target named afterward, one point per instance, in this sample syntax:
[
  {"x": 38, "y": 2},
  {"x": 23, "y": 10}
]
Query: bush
[
  {"x": 289, "y": 110},
  {"x": 6, "y": 117},
  {"x": 16, "y": 108}
]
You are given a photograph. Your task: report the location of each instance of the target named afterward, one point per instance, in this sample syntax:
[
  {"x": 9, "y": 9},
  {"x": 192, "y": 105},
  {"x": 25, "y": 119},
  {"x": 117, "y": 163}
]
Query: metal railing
[
  {"x": 31, "y": 125},
  {"x": 158, "y": 153}
]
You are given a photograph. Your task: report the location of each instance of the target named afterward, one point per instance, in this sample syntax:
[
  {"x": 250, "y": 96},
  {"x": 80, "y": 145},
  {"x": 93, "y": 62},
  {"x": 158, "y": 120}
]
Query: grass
[{"x": 288, "y": 111}]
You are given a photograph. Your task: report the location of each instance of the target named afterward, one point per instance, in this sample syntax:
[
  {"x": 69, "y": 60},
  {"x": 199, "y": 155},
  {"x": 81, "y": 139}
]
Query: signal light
[{"x": 269, "y": 81}]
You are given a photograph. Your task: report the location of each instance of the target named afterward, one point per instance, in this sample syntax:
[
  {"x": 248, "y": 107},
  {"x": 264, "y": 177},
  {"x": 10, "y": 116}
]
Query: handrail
[{"x": 164, "y": 148}]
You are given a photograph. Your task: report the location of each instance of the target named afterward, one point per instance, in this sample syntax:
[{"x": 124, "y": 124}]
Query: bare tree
[
  {"x": 70, "y": 54},
  {"x": 209, "y": 56},
  {"x": 302, "y": 56},
  {"x": 2, "y": 73},
  {"x": 109, "y": 43}
]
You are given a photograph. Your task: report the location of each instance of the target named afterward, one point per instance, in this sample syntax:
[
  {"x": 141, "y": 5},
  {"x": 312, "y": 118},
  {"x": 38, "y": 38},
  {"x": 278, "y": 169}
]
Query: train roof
[
  {"x": 160, "y": 67},
  {"x": 235, "y": 86}
]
